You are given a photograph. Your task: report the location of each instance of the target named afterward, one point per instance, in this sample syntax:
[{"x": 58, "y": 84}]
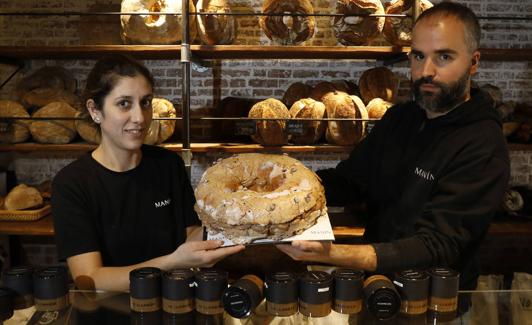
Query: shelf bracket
[{"x": 13, "y": 62}]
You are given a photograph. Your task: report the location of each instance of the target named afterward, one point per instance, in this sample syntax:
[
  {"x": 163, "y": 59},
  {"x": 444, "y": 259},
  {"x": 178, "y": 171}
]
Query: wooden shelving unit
[{"x": 229, "y": 52}]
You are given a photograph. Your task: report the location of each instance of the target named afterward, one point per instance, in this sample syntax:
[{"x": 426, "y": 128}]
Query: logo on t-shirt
[
  {"x": 424, "y": 174},
  {"x": 163, "y": 203}
]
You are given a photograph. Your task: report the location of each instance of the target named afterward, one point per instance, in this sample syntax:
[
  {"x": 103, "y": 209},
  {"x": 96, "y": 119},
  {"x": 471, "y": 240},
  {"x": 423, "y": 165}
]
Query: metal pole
[{"x": 185, "y": 85}]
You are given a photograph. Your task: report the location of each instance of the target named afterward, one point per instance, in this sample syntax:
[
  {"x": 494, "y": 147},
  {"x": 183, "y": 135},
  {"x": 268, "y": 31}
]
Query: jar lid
[
  {"x": 50, "y": 282},
  {"x": 6, "y": 304},
  {"x": 348, "y": 284},
  {"x": 315, "y": 287},
  {"x": 178, "y": 284},
  {"x": 281, "y": 288},
  {"x": 145, "y": 283},
  {"x": 210, "y": 284},
  {"x": 444, "y": 282},
  {"x": 19, "y": 279}
]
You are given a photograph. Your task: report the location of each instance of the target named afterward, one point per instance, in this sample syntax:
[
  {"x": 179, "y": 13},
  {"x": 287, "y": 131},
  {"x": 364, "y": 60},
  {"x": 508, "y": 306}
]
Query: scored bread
[{"x": 23, "y": 197}]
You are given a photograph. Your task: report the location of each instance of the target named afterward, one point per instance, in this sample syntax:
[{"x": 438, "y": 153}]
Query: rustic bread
[
  {"x": 347, "y": 87},
  {"x": 379, "y": 82},
  {"x": 154, "y": 29},
  {"x": 40, "y": 97},
  {"x": 309, "y": 108},
  {"x": 270, "y": 133},
  {"x": 322, "y": 89},
  {"x": 54, "y": 131},
  {"x": 216, "y": 29},
  {"x": 23, "y": 197},
  {"x": 342, "y": 105},
  {"x": 47, "y": 77},
  {"x": 18, "y": 130},
  {"x": 398, "y": 31},
  {"x": 358, "y": 30},
  {"x": 295, "y": 92},
  {"x": 287, "y": 30},
  {"x": 377, "y": 107},
  {"x": 161, "y": 130},
  {"x": 87, "y": 129}
]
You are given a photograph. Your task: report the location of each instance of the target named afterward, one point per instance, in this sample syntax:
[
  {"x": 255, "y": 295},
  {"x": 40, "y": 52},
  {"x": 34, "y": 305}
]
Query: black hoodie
[{"x": 432, "y": 186}]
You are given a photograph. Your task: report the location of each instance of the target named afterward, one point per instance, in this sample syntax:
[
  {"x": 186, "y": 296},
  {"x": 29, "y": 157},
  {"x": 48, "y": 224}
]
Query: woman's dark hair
[{"x": 106, "y": 73}]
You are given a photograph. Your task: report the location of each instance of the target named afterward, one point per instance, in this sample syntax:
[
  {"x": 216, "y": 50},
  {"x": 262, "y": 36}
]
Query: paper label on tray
[{"x": 322, "y": 230}]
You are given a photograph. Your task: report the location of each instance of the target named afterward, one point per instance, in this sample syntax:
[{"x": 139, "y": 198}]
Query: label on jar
[
  {"x": 443, "y": 304},
  {"x": 347, "y": 306},
  {"x": 209, "y": 307},
  {"x": 145, "y": 305},
  {"x": 413, "y": 307},
  {"x": 314, "y": 310},
  {"x": 178, "y": 306},
  {"x": 282, "y": 310},
  {"x": 51, "y": 304}
]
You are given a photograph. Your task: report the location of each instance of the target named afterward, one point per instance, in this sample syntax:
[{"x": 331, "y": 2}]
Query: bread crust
[
  {"x": 278, "y": 30},
  {"x": 358, "y": 30},
  {"x": 259, "y": 196},
  {"x": 23, "y": 197}
]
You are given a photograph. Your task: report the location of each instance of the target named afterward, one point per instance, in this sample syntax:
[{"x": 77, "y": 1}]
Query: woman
[{"x": 126, "y": 205}]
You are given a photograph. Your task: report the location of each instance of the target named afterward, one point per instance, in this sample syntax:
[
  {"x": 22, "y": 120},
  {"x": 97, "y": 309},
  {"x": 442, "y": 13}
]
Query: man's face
[{"x": 441, "y": 64}]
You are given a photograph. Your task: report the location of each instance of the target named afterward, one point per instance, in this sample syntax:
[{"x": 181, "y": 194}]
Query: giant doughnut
[{"x": 252, "y": 196}]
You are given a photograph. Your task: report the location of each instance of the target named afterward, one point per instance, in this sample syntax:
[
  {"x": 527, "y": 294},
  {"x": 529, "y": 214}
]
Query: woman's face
[{"x": 126, "y": 114}]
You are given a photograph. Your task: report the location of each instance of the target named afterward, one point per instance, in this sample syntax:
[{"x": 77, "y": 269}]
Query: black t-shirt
[{"x": 129, "y": 217}]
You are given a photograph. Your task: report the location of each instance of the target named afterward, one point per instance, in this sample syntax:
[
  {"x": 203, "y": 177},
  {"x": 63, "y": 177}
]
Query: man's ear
[{"x": 475, "y": 58}]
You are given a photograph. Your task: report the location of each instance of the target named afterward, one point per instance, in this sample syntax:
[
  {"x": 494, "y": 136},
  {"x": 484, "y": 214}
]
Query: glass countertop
[{"x": 488, "y": 307}]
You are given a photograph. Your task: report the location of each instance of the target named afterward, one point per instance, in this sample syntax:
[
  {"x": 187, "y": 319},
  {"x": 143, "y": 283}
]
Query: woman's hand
[{"x": 203, "y": 253}]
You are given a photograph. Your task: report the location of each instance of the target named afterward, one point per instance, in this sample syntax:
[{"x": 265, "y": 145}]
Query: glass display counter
[{"x": 476, "y": 307}]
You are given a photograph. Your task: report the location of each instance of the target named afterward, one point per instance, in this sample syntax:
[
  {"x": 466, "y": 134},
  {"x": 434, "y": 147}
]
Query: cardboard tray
[{"x": 25, "y": 215}]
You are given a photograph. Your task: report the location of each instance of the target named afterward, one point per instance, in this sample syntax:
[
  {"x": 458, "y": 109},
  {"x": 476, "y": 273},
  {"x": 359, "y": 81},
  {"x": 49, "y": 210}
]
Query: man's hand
[
  {"x": 314, "y": 251},
  {"x": 361, "y": 257}
]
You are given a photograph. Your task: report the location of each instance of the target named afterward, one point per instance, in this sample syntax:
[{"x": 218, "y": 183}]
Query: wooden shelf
[
  {"x": 195, "y": 147},
  {"x": 41, "y": 227},
  {"x": 233, "y": 52}
]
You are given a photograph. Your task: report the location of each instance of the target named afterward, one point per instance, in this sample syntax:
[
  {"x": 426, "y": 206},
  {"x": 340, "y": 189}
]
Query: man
[{"x": 432, "y": 171}]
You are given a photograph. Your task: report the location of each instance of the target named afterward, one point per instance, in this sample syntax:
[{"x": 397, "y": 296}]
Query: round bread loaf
[
  {"x": 253, "y": 196},
  {"x": 309, "y": 108},
  {"x": 270, "y": 133},
  {"x": 54, "y": 130},
  {"x": 379, "y": 82},
  {"x": 321, "y": 89},
  {"x": 347, "y": 87},
  {"x": 295, "y": 92},
  {"x": 161, "y": 130},
  {"x": 154, "y": 29},
  {"x": 47, "y": 77},
  {"x": 40, "y": 97},
  {"x": 398, "y": 30},
  {"x": 216, "y": 29},
  {"x": 87, "y": 129},
  {"x": 23, "y": 197},
  {"x": 287, "y": 30},
  {"x": 358, "y": 30},
  {"x": 342, "y": 105},
  {"x": 377, "y": 107},
  {"x": 17, "y": 130}
]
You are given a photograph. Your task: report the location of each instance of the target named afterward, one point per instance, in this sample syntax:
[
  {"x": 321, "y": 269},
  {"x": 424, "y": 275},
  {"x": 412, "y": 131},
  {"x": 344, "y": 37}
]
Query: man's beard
[{"x": 450, "y": 95}]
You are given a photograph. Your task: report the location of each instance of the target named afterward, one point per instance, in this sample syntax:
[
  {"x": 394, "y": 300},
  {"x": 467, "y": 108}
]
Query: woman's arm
[{"x": 89, "y": 273}]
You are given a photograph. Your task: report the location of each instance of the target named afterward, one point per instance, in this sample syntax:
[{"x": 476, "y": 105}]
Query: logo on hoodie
[
  {"x": 162, "y": 203},
  {"x": 427, "y": 175}
]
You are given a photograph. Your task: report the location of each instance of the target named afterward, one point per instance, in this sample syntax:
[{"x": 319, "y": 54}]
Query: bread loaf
[
  {"x": 347, "y": 86},
  {"x": 287, "y": 30},
  {"x": 23, "y": 197},
  {"x": 377, "y": 107},
  {"x": 87, "y": 129},
  {"x": 17, "y": 130},
  {"x": 216, "y": 29},
  {"x": 40, "y": 97},
  {"x": 342, "y": 105},
  {"x": 309, "y": 108},
  {"x": 47, "y": 77},
  {"x": 154, "y": 29},
  {"x": 321, "y": 89},
  {"x": 358, "y": 30},
  {"x": 233, "y": 107},
  {"x": 161, "y": 130},
  {"x": 379, "y": 82},
  {"x": 295, "y": 92},
  {"x": 398, "y": 30},
  {"x": 270, "y": 133},
  {"x": 54, "y": 130}
]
